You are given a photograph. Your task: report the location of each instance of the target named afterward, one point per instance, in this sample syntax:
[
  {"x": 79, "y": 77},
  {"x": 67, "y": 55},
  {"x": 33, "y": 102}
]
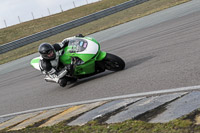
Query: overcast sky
[{"x": 26, "y": 9}]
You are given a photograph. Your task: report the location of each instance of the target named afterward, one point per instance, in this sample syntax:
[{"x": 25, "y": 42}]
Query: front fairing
[{"x": 83, "y": 48}]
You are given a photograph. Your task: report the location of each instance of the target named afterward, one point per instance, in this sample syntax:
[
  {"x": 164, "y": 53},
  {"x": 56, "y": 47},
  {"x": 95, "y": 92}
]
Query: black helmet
[{"x": 47, "y": 51}]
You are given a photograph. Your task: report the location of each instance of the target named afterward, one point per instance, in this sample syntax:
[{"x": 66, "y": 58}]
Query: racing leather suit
[{"x": 54, "y": 70}]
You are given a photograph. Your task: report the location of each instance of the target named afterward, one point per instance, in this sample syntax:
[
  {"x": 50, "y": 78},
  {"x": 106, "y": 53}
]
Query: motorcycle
[{"x": 83, "y": 58}]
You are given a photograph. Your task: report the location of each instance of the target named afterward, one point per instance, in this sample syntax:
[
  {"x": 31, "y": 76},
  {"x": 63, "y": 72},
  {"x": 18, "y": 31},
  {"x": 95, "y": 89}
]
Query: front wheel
[{"x": 113, "y": 62}]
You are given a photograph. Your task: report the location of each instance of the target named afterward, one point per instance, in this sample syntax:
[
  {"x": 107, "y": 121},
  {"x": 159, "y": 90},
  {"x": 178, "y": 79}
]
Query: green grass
[
  {"x": 129, "y": 126},
  {"x": 132, "y": 13},
  {"x": 185, "y": 124},
  {"x": 28, "y": 28}
]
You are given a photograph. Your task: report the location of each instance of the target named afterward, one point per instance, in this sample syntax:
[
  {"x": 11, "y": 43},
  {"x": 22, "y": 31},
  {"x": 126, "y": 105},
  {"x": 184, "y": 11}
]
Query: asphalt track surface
[{"x": 158, "y": 56}]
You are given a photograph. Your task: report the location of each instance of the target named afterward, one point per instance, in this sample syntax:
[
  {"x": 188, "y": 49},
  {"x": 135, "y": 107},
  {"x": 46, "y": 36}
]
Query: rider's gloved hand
[{"x": 65, "y": 43}]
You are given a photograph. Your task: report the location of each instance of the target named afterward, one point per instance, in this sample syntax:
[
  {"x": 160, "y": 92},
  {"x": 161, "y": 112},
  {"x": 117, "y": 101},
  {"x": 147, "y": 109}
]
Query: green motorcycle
[{"x": 83, "y": 58}]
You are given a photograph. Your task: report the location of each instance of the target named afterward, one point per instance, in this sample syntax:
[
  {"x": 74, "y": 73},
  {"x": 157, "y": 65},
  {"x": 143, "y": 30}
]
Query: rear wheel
[{"x": 113, "y": 62}]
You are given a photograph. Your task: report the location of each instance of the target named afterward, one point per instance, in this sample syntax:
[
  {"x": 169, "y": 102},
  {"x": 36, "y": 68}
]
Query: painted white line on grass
[{"x": 143, "y": 94}]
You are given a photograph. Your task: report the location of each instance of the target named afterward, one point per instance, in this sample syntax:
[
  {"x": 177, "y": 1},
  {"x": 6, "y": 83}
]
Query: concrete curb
[
  {"x": 110, "y": 110},
  {"x": 144, "y": 94}
]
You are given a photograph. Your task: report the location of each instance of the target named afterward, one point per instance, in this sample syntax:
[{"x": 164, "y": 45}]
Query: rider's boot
[{"x": 66, "y": 81}]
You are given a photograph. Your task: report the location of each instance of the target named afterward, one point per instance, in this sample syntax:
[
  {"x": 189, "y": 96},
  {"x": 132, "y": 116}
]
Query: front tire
[{"x": 113, "y": 62}]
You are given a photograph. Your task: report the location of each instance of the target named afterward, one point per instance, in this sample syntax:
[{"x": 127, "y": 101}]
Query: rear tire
[{"x": 113, "y": 62}]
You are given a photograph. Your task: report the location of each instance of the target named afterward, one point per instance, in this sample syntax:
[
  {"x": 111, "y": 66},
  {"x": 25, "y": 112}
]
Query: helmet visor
[{"x": 49, "y": 55}]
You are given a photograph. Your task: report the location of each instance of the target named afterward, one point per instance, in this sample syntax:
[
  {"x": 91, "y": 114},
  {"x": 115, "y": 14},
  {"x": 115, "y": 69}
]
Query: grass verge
[
  {"x": 132, "y": 13},
  {"x": 186, "y": 124},
  {"x": 28, "y": 28},
  {"x": 130, "y": 126}
]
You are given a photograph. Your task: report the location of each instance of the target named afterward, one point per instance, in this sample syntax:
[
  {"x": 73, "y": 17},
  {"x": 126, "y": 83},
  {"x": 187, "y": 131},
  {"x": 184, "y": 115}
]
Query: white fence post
[
  {"x": 32, "y": 15},
  {"x": 48, "y": 11},
  {"x": 74, "y": 4},
  {"x": 61, "y": 8},
  {"x": 19, "y": 19}
]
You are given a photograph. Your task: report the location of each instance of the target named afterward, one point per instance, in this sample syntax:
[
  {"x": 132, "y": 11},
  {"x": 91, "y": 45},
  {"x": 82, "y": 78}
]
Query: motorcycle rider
[{"x": 50, "y": 65}]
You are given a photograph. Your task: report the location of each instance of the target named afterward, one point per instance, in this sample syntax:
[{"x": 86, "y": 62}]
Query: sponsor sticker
[
  {"x": 81, "y": 43},
  {"x": 85, "y": 45}
]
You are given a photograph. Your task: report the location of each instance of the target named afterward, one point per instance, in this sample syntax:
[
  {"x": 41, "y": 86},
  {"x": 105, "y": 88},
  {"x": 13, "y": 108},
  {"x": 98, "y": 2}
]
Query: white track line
[{"x": 144, "y": 94}]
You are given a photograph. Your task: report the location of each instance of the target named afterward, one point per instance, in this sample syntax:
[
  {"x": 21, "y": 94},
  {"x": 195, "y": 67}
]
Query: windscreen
[{"x": 77, "y": 45}]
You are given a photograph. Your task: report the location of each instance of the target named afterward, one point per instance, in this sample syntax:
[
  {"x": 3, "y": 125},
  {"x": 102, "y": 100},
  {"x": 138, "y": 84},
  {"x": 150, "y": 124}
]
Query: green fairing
[
  {"x": 101, "y": 56},
  {"x": 89, "y": 59},
  {"x": 66, "y": 57},
  {"x": 86, "y": 68}
]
